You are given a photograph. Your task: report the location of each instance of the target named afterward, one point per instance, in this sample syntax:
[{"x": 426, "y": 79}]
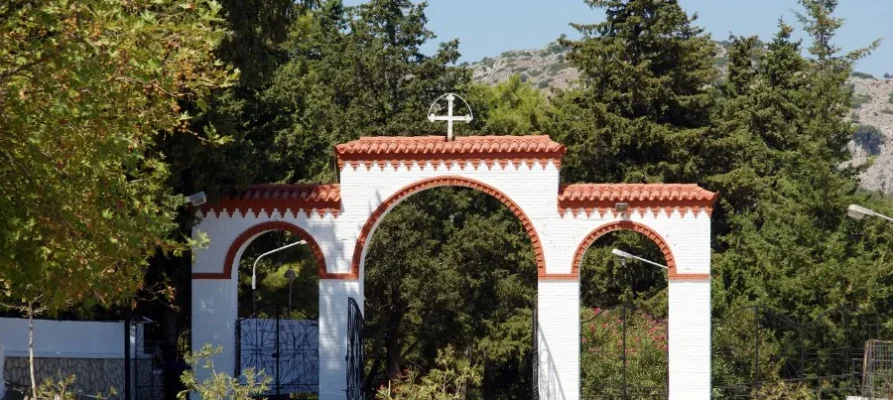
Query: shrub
[
  {"x": 869, "y": 138},
  {"x": 450, "y": 380},
  {"x": 601, "y": 351},
  {"x": 859, "y": 99},
  {"x": 221, "y": 386},
  {"x": 863, "y": 75}
]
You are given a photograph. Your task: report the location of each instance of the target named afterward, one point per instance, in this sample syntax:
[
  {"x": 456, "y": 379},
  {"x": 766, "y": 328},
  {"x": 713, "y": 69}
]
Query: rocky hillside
[{"x": 548, "y": 70}]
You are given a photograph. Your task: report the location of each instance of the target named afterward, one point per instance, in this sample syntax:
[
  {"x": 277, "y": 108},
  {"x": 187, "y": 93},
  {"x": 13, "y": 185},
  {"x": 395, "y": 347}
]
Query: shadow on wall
[{"x": 549, "y": 383}]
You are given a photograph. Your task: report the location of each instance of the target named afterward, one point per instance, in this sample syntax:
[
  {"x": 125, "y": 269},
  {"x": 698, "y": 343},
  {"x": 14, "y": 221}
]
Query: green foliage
[
  {"x": 62, "y": 388},
  {"x": 890, "y": 99},
  {"x": 86, "y": 89},
  {"x": 220, "y": 385},
  {"x": 780, "y": 390},
  {"x": 605, "y": 283},
  {"x": 862, "y": 75},
  {"x": 859, "y": 99},
  {"x": 645, "y": 102},
  {"x": 869, "y": 138},
  {"x": 462, "y": 275},
  {"x": 601, "y": 352},
  {"x": 450, "y": 380},
  {"x": 512, "y": 107},
  {"x": 272, "y": 285}
]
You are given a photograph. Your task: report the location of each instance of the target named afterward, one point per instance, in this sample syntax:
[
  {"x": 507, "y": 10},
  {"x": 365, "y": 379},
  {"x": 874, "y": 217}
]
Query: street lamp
[
  {"x": 623, "y": 257},
  {"x": 254, "y": 270},
  {"x": 623, "y": 254},
  {"x": 856, "y": 211}
]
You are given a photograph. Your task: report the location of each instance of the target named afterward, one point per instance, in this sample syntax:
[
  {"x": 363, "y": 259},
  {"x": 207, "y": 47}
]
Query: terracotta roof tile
[
  {"x": 436, "y": 148},
  {"x": 294, "y": 197},
  {"x": 601, "y": 197}
]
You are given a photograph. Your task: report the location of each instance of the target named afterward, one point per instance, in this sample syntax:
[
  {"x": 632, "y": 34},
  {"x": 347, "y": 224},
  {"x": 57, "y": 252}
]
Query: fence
[
  {"x": 623, "y": 354},
  {"x": 758, "y": 351}
]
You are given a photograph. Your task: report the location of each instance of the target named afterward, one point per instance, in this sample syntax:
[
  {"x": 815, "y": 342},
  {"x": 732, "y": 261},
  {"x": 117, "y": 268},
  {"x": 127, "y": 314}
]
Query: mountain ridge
[{"x": 548, "y": 70}]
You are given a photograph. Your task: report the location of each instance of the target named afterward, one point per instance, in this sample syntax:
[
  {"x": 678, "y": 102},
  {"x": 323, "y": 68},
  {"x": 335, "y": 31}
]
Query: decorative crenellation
[
  {"x": 419, "y": 186},
  {"x": 601, "y": 198},
  {"x": 294, "y": 198},
  {"x": 436, "y": 152}
]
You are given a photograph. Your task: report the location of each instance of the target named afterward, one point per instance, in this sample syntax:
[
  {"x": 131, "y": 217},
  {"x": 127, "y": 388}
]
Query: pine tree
[{"x": 641, "y": 114}]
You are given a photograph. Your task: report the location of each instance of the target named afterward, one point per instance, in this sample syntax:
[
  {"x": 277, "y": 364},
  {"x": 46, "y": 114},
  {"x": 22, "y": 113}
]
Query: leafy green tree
[
  {"x": 511, "y": 107},
  {"x": 869, "y": 138},
  {"x": 272, "y": 282},
  {"x": 86, "y": 89},
  {"x": 783, "y": 240},
  {"x": 462, "y": 275}
]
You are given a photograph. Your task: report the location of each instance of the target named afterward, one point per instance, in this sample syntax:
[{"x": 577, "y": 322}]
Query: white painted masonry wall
[
  {"x": 63, "y": 339},
  {"x": 534, "y": 188}
]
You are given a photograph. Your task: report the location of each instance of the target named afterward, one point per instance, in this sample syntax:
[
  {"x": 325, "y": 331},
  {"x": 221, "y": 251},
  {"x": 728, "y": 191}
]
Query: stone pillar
[
  {"x": 689, "y": 338},
  {"x": 333, "y": 297},
  {"x": 558, "y": 311}
]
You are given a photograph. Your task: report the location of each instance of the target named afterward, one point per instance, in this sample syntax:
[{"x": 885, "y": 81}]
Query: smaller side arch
[
  {"x": 620, "y": 225},
  {"x": 258, "y": 229}
]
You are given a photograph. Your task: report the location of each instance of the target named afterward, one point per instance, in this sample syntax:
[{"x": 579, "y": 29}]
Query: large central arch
[
  {"x": 523, "y": 172},
  {"x": 359, "y": 253}
]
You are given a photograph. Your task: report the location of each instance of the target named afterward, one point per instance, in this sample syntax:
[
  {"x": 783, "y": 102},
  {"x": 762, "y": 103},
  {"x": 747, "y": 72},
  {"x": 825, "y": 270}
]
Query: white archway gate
[{"x": 376, "y": 173}]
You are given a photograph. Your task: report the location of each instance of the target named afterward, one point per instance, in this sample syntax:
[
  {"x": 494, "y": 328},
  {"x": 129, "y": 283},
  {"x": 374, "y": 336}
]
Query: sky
[{"x": 489, "y": 27}]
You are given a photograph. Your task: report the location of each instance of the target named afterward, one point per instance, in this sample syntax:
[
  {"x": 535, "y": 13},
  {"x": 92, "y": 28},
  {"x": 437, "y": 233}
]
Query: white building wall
[{"x": 63, "y": 339}]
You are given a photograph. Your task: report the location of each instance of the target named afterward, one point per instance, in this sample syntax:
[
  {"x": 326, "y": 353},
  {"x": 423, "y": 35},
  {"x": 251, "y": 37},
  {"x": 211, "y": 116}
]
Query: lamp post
[
  {"x": 290, "y": 275},
  {"x": 254, "y": 271},
  {"x": 858, "y": 212},
  {"x": 623, "y": 257}
]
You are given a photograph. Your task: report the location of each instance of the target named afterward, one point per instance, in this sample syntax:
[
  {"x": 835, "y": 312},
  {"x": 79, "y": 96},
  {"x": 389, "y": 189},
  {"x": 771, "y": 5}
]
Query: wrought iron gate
[
  {"x": 354, "y": 355},
  {"x": 286, "y": 350},
  {"x": 148, "y": 381}
]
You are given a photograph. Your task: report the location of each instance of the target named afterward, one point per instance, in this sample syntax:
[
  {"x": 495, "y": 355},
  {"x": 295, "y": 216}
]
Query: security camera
[{"x": 197, "y": 199}]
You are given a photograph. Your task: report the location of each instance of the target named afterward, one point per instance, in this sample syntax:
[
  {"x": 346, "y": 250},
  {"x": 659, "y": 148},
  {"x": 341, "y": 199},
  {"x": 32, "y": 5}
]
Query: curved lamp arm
[
  {"x": 856, "y": 211},
  {"x": 254, "y": 268},
  {"x": 621, "y": 253}
]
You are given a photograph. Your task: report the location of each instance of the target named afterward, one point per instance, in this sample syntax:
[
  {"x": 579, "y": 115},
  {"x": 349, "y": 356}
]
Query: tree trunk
[{"x": 31, "y": 350}]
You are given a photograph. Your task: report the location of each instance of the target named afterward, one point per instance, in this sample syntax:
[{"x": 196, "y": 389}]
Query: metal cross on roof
[{"x": 449, "y": 118}]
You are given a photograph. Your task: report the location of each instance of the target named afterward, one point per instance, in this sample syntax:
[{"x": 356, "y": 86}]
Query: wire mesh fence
[
  {"x": 877, "y": 369},
  {"x": 761, "y": 353}
]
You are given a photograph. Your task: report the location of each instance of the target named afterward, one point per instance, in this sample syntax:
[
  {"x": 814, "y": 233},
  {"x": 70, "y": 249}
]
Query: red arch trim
[
  {"x": 419, "y": 186},
  {"x": 636, "y": 227},
  {"x": 258, "y": 229}
]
